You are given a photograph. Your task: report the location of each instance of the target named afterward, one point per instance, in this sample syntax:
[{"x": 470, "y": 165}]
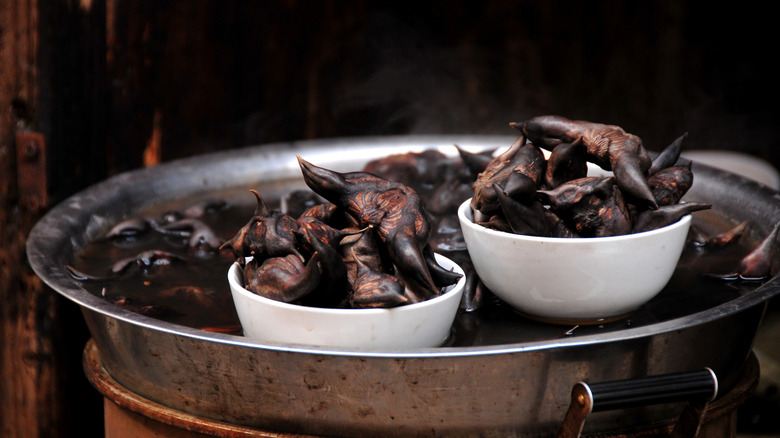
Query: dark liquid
[{"x": 196, "y": 293}]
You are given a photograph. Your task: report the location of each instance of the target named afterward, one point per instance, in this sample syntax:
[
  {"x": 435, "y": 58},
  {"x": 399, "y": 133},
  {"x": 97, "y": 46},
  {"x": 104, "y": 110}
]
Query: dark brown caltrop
[
  {"x": 758, "y": 264},
  {"x": 269, "y": 233},
  {"x": 186, "y": 226},
  {"x": 521, "y": 156},
  {"x": 642, "y": 194},
  {"x": 720, "y": 240},
  {"x": 199, "y": 235},
  {"x": 670, "y": 184},
  {"x": 608, "y": 146},
  {"x": 143, "y": 261},
  {"x": 475, "y": 162},
  {"x": 282, "y": 278},
  {"x": 369, "y": 239},
  {"x": 393, "y": 209},
  {"x": 665, "y": 215}
]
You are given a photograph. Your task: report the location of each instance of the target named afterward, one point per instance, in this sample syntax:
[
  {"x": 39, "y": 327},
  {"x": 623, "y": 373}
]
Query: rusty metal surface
[{"x": 518, "y": 389}]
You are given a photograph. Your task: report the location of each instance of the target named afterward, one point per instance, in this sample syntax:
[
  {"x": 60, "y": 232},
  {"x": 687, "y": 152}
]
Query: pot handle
[{"x": 697, "y": 387}]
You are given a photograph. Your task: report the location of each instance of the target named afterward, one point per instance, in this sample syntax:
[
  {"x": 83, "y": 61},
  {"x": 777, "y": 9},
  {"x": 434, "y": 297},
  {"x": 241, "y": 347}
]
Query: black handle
[
  {"x": 666, "y": 388},
  {"x": 696, "y": 387}
]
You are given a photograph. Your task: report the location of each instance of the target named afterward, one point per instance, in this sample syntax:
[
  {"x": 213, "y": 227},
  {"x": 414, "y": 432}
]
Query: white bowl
[
  {"x": 574, "y": 280},
  {"x": 424, "y": 324}
]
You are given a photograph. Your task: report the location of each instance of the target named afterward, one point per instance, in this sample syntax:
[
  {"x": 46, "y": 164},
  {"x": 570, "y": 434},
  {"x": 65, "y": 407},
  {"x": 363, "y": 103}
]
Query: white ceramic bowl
[
  {"x": 425, "y": 324},
  {"x": 574, "y": 280}
]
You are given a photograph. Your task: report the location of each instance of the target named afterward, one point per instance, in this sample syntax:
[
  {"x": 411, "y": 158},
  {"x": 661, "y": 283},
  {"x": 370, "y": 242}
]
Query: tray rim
[{"x": 51, "y": 232}]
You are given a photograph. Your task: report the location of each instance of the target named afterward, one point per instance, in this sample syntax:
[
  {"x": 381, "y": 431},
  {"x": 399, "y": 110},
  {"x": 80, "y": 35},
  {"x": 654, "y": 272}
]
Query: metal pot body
[
  {"x": 508, "y": 391},
  {"x": 518, "y": 389}
]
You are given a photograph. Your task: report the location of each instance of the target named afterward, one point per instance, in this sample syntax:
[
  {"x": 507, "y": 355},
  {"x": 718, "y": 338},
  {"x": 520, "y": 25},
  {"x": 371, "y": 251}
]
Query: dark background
[
  {"x": 115, "y": 85},
  {"x": 211, "y": 75}
]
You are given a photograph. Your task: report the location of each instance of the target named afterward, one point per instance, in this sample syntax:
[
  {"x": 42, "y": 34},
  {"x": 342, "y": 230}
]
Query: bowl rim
[
  {"x": 236, "y": 286},
  {"x": 466, "y": 217}
]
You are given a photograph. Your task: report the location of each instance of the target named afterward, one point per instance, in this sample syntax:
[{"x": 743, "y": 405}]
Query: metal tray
[{"x": 517, "y": 388}]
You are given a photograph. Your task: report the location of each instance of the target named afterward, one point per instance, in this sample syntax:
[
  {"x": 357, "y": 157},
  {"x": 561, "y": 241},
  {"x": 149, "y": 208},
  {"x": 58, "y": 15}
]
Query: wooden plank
[
  {"x": 27, "y": 389},
  {"x": 39, "y": 369}
]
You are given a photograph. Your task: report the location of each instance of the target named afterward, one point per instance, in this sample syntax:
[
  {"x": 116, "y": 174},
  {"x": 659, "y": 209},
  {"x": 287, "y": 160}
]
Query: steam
[{"x": 417, "y": 85}]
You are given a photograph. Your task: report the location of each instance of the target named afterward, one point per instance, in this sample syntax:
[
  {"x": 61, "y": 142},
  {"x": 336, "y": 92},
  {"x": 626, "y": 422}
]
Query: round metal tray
[{"x": 518, "y": 388}]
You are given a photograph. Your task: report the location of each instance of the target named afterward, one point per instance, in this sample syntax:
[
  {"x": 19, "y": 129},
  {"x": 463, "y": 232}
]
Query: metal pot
[{"x": 519, "y": 388}]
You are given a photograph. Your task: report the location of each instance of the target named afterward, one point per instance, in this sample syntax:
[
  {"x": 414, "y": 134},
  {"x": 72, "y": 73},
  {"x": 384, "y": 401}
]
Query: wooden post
[
  {"x": 28, "y": 395},
  {"x": 42, "y": 385}
]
